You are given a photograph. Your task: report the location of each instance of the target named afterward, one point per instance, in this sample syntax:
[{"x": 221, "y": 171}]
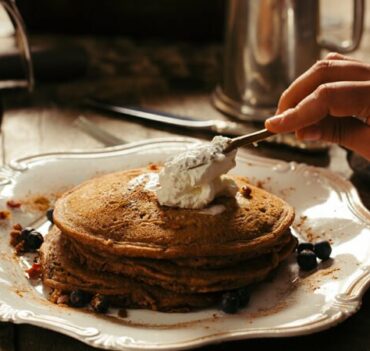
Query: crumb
[
  {"x": 330, "y": 271},
  {"x": 153, "y": 167},
  {"x": 4, "y": 214},
  {"x": 262, "y": 312},
  {"x": 13, "y": 204},
  {"x": 37, "y": 203},
  {"x": 260, "y": 184},
  {"x": 19, "y": 293},
  {"x": 35, "y": 271},
  {"x": 310, "y": 235},
  {"x": 57, "y": 195}
]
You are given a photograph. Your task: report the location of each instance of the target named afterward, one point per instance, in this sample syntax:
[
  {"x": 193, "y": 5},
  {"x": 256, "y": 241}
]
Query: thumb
[{"x": 348, "y": 132}]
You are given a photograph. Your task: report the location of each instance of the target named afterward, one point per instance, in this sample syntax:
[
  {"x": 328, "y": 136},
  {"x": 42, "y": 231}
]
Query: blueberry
[
  {"x": 78, "y": 298},
  {"x": 100, "y": 303},
  {"x": 307, "y": 260},
  {"x": 33, "y": 241},
  {"x": 49, "y": 215},
  {"x": 304, "y": 246},
  {"x": 322, "y": 250},
  {"x": 244, "y": 296},
  {"x": 230, "y": 302},
  {"x": 25, "y": 232}
]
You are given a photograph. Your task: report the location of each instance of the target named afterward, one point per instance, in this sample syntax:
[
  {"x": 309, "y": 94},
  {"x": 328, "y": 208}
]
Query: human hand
[{"x": 329, "y": 102}]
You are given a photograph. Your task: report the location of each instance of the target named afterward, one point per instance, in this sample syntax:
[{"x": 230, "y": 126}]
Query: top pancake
[{"x": 106, "y": 214}]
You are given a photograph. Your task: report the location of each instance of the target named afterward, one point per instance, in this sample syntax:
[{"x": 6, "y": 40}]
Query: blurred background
[
  {"x": 185, "y": 20},
  {"x": 162, "y": 54},
  {"x": 165, "y": 55}
]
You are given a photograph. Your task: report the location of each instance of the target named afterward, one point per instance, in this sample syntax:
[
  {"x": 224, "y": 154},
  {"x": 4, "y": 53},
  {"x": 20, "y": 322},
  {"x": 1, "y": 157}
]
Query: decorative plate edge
[
  {"x": 345, "y": 304},
  {"x": 91, "y": 336}
]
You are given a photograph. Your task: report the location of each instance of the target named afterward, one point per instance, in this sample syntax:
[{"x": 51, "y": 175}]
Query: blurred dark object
[
  {"x": 359, "y": 165},
  {"x": 181, "y": 19},
  {"x": 59, "y": 63}
]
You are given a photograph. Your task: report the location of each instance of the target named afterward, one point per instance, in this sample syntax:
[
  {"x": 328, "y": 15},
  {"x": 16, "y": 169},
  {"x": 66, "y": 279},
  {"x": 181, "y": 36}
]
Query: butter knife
[
  {"x": 210, "y": 125},
  {"x": 229, "y": 128}
]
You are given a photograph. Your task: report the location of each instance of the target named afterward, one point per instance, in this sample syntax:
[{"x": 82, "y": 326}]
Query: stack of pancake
[{"x": 113, "y": 238}]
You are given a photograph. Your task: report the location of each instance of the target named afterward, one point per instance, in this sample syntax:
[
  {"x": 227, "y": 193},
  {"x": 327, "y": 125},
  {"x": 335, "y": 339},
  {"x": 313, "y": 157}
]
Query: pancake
[
  {"x": 169, "y": 275},
  {"x": 63, "y": 271},
  {"x": 108, "y": 214},
  {"x": 106, "y": 260},
  {"x": 112, "y": 237}
]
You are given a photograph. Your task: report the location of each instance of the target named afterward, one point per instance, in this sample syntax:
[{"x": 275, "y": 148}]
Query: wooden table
[{"x": 171, "y": 77}]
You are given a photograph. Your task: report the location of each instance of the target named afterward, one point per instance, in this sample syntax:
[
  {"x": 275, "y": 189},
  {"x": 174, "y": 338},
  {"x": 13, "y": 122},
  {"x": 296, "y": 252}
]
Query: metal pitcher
[{"x": 268, "y": 43}]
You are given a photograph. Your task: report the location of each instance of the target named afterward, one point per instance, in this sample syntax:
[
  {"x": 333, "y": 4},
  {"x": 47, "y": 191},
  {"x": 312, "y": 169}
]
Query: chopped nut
[
  {"x": 15, "y": 235},
  {"x": 54, "y": 295},
  {"x": 63, "y": 300},
  {"x": 35, "y": 271},
  {"x": 17, "y": 226},
  {"x": 246, "y": 191},
  {"x": 99, "y": 303},
  {"x": 4, "y": 214},
  {"x": 13, "y": 204},
  {"x": 153, "y": 167},
  {"x": 19, "y": 248}
]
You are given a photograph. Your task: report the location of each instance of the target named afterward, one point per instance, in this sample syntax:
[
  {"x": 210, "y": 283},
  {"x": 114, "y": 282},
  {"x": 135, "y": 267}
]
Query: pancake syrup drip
[{"x": 193, "y": 178}]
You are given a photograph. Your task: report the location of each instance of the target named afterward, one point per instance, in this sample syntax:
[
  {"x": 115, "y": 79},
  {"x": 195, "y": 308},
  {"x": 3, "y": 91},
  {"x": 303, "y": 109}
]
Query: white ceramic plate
[{"x": 327, "y": 207}]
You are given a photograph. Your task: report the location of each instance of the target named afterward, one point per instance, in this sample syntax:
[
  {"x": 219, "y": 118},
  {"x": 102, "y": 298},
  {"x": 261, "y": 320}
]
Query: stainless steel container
[{"x": 268, "y": 43}]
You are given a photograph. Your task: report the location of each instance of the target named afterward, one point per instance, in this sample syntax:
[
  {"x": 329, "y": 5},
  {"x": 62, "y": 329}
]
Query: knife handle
[{"x": 248, "y": 139}]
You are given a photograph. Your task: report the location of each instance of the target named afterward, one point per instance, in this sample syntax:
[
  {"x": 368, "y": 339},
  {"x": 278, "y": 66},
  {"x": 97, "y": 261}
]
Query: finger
[
  {"x": 339, "y": 99},
  {"x": 324, "y": 71},
  {"x": 348, "y": 132},
  {"x": 330, "y": 56},
  {"x": 337, "y": 56}
]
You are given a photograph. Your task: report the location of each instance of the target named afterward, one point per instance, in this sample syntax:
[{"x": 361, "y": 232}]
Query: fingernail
[
  {"x": 311, "y": 134},
  {"x": 275, "y": 121}
]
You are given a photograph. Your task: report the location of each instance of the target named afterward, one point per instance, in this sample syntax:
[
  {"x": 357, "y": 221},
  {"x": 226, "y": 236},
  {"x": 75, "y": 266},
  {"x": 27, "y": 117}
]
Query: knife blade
[
  {"x": 229, "y": 128},
  {"x": 210, "y": 125}
]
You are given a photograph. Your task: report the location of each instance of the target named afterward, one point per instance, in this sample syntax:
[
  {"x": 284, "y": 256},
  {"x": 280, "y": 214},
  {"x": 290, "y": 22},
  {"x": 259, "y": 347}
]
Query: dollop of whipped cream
[{"x": 195, "y": 177}]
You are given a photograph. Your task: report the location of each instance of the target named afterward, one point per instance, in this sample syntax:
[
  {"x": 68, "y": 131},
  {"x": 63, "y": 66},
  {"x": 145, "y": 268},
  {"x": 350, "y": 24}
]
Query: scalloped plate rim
[{"x": 359, "y": 286}]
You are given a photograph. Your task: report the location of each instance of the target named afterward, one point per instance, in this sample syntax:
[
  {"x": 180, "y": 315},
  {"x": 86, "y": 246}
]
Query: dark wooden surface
[{"x": 175, "y": 77}]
